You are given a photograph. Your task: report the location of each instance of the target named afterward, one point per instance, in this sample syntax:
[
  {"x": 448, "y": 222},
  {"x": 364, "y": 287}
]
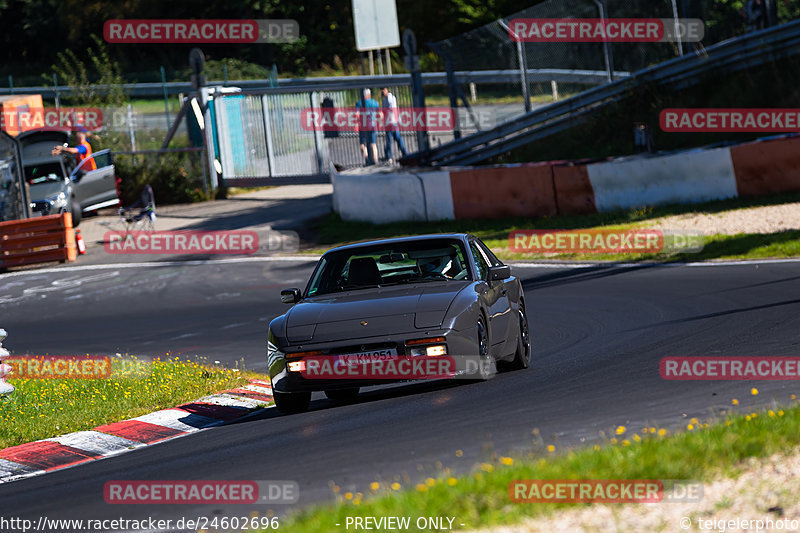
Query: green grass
[
  {"x": 482, "y": 499},
  {"x": 154, "y": 106},
  {"x": 43, "y": 408},
  {"x": 495, "y": 99},
  {"x": 334, "y": 231}
]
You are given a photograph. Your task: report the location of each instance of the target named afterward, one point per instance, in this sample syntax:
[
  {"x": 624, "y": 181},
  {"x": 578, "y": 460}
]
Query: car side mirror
[
  {"x": 290, "y": 296},
  {"x": 499, "y": 273}
]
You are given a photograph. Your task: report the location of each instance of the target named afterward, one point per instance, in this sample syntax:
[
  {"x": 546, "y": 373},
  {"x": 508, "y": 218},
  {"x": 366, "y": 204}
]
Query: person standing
[
  {"x": 392, "y": 125},
  {"x": 82, "y": 151},
  {"x": 755, "y": 13},
  {"x": 367, "y": 126}
]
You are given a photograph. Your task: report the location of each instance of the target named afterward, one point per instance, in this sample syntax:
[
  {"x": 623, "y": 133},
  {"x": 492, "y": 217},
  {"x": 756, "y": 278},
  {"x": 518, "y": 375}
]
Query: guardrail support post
[{"x": 5, "y": 370}]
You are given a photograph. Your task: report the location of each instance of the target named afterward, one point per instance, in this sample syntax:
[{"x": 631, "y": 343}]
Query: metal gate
[{"x": 258, "y": 134}]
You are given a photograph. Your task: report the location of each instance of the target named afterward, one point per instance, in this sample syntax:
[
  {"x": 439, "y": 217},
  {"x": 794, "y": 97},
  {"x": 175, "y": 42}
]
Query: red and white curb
[{"x": 42, "y": 456}]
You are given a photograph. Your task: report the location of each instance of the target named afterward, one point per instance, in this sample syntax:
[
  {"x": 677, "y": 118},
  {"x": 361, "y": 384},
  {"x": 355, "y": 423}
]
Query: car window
[
  {"x": 480, "y": 262},
  {"x": 102, "y": 159},
  {"x": 394, "y": 264},
  {"x": 493, "y": 260},
  {"x": 45, "y": 172}
]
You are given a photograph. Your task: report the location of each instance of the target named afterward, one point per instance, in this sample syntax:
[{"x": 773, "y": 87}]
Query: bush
[{"x": 174, "y": 177}]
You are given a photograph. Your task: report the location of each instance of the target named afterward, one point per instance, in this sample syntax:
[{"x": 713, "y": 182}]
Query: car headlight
[
  {"x": 58, "y": 201},
  {"x": 432, "y": 347}
]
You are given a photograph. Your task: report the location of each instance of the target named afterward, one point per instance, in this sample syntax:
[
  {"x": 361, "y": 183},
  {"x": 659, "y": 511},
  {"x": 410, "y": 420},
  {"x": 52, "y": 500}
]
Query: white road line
[
  {"x": 78, "y": 268},
  {"x": 518, "y": 264},
  {"x": 185, "y": 335},
  {"x": 314, "y": 258},
  {"x": 234, "y": 325}
]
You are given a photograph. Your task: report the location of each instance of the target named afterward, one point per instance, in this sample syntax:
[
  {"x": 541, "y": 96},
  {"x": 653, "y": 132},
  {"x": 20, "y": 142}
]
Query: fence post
[
  {"x": 5, "y": 388},
  {"x": 55, "y": 88},
  {"x": 166, "y": 99}
]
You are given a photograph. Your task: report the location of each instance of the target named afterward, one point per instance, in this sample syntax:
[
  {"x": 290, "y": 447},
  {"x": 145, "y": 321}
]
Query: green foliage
[
  {"x": 175, "y": 177},
  {"x": 609, "y": 130},
  {"x": 83, "y": 76},
  {"x": 74, "y": 71}
]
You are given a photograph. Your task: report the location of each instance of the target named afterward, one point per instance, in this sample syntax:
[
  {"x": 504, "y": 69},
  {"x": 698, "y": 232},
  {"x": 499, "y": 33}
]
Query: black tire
[
  {"x": 75, "y": 209},
  {"x": 522, "y": 357},
  {"x": 290, "y": 403},
  {"x": 342, "y": 395},
  {"x": 486, "y": 364}
]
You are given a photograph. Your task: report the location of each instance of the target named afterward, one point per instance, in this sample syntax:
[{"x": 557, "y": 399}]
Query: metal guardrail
[
  {"x": 734, "y": 54},
  {"x": 156, "y": 89},
  {"x": 5, "y": 370}
]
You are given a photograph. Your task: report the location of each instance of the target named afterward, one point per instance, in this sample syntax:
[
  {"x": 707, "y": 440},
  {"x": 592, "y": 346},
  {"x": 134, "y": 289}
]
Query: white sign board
[{"x": 375, "y": 23}]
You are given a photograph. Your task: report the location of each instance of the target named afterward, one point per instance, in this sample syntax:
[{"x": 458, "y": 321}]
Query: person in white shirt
[{"x": 392, "y": 126}]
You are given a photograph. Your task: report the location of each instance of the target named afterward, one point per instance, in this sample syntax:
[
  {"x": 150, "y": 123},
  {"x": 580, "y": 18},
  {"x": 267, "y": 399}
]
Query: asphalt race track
[{"x": 599, "y": 333}]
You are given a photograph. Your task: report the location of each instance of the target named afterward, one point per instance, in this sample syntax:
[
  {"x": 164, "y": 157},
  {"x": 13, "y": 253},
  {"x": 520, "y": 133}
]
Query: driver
[{"x": 435, "y": 266}]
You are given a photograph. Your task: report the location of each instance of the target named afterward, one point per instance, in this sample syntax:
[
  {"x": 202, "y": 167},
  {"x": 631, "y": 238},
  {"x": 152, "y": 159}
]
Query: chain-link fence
[
  {"x": 491, "y": 47},
  {"x": 261, "y": 134}
]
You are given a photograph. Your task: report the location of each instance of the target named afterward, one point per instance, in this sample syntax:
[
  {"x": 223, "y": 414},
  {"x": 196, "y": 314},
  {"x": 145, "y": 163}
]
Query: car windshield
[
  {"x": 36, "y": 174},
  {"x": 389, "y": 264}
]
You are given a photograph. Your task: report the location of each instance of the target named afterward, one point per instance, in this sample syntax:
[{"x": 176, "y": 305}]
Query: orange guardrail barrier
[{"x": 37, "y": 240}]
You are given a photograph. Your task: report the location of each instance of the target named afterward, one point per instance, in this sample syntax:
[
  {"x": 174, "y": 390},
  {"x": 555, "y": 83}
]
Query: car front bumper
[{"x": 459, "y": 344}]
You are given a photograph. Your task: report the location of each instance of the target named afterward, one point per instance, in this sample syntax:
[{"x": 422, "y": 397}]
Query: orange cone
[{"x": 79, "y": 242}]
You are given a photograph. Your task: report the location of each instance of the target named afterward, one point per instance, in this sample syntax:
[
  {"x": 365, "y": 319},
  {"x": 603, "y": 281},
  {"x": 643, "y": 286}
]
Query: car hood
[
  {"x": 386, "y": 311},
  {"x": 40, "y": 191}
]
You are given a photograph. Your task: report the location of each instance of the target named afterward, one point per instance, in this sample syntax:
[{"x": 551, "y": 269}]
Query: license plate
[{"x": 369, "y": 356}]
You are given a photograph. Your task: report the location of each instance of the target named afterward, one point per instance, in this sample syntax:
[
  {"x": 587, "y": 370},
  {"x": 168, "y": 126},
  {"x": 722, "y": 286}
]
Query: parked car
[
  {"x": 415, "y": 298},
  {"x": 58, "y": 185}
]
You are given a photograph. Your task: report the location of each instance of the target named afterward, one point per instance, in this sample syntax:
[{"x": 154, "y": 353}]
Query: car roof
[{"x": 454, "y": 236}]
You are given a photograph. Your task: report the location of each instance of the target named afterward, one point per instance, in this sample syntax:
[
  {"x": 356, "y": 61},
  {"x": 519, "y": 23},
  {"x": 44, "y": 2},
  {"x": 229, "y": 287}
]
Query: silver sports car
[{"x": 396, "y": 310}]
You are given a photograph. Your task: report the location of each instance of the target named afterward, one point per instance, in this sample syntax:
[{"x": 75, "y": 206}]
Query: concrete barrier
[
  {"x": 685, "y": 177},
  {"x": 379, "y": 198},
  {"x": 767, "y": 167},
  {"x": 507, "y": 191},
  {"x": 382, "y": 195},
  {"x": 5, "y": 370},
  {"x": 574, "y": 193}
]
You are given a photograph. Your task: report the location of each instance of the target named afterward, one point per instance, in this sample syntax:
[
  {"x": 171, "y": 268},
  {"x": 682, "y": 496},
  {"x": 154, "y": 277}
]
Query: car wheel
[
  {"x": 486, "y": 363},
  {"x": 292, "y": 402},
  {"x": 76, "y": 213},
  {"x": 342, "y": 395},
  {"x": 522, "y": 357}
]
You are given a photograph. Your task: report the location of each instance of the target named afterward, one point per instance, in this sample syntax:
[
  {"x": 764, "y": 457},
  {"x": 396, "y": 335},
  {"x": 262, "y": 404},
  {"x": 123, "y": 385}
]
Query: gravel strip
[{"x": 764, "y": 219}]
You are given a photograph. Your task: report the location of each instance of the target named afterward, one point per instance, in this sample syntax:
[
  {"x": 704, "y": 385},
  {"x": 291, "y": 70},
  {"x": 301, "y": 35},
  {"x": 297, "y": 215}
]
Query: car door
[
  {"x": 96, "y": 188},
  {"x": 494, "y": 296}
]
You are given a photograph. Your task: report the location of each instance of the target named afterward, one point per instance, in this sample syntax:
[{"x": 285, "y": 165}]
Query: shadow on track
[{"x": 577, "y": 275}]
